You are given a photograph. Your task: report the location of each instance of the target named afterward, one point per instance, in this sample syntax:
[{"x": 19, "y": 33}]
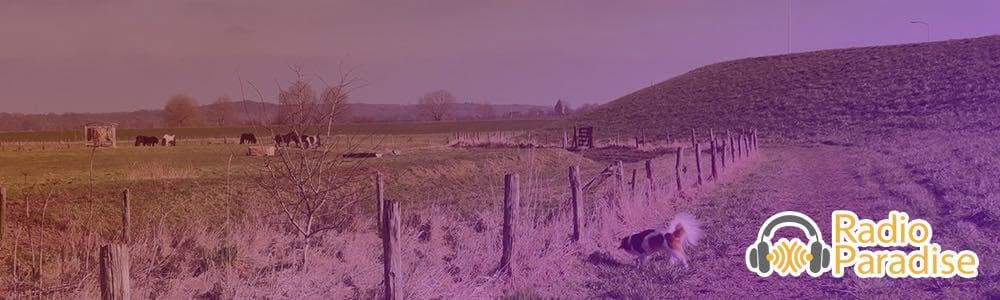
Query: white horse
[{"x": 169, "y": 139}]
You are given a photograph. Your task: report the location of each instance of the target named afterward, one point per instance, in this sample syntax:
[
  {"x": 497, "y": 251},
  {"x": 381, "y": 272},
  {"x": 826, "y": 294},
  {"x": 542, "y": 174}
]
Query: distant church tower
[{"x": 561, "y": 108}]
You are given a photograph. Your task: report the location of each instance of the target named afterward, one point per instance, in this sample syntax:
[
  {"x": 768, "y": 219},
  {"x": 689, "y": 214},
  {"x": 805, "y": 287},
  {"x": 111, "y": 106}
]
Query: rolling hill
[{"x": 872, "y": 90}]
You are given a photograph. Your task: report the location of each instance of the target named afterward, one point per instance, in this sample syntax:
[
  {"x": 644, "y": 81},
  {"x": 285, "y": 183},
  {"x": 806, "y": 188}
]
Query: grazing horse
[
  {"x": 288, "y": 138},
  {"x": 169, "y": 139},
  {"x": 310, "y": 141},
  {"x": 248, "y": 138},
  {"x": 143, "y": 140}
]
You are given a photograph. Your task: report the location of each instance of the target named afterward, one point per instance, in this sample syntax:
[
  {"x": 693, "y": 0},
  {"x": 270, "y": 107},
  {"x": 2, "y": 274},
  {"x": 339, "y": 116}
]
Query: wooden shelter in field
[{"x": 100, "y": 134}]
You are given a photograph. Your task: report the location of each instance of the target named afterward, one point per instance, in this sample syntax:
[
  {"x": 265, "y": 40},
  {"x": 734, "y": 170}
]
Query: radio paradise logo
[{"x": 855, "y": 244}]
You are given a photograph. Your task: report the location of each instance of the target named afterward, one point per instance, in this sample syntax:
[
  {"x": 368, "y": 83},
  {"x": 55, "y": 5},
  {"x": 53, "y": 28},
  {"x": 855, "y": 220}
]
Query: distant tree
[
  {"x": 334, "y": 100},
  {"x": 562, "y": 108},
  {"x": 182, "y": 111},
  {"x": 222, "y": 112},
  {"x": 586, "y": 107},
  {"x": 436, "y": 105},
  {"x": 485, "y": 110},
  {"x": 295, "y": 102}
]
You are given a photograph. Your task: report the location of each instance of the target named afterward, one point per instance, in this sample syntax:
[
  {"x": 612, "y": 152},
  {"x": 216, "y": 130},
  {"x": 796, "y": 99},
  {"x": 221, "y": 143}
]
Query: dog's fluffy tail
[{"x": 689, "y": 225}]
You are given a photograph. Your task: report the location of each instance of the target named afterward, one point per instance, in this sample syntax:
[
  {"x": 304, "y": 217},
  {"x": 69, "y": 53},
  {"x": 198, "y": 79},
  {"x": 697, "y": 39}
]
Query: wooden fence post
[
  {"x": 754, "y": 136},
  {"x": 126, "y": 218},
  {"x": 644, "y": 140},
  {"x": 746, "y": 144},
  {"x": 3, "y": 212},
  {"x": 732, "y": 147},
  {"x": 380, "y": 201},
  {"x": 694, "y": 141},
  {"x": 565, "y": 139},
  {"x": 722, "y": 152},
  {"x": 114, "y": 275},
  {"x": 677, "y": 168},
  {"x": 739, "y": 145},
  {"x": 649, "y": 177},
  {"x": 620, "y": 173},
  {"x": 577, "y": 192},
  {"x": 697, "y": 161},
  {"x": 390, "y": 250},
  {"x": 715, "y": 171},
  {"x": 573, "y": 141},
  {"x": 632, "y": 183},
  {"x": 511, "y": 203}
]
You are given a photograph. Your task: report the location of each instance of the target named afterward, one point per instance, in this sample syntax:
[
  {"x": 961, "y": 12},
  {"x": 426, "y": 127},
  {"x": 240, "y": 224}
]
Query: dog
[{"x": 684, "y": 231}]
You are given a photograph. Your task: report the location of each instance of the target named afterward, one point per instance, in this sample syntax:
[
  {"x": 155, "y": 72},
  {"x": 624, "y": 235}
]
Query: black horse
[
  {"x": 288, "y": 138},
  {"x": 248, "y": 138},
  {"x": 309, "y": 141},
  {"x": 143, "y": 140}
]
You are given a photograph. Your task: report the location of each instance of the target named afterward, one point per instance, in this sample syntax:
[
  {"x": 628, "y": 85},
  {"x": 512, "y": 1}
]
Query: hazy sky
[{"x": 115, "y": 55}]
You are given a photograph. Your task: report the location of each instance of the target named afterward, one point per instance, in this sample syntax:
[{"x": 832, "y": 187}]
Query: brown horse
[
  {"x": 143, "y": 140},
  {"x": 288, "y": 138},
  {"x": 248, "y": 138}
]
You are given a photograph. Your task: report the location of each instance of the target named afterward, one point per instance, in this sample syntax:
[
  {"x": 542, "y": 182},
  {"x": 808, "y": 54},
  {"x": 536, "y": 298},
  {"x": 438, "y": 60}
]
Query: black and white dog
[{"x": 683, "y": 231}]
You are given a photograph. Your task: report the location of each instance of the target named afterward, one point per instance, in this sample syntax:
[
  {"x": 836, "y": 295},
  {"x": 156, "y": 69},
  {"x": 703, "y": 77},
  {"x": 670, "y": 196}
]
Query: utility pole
[
  {"x": 926, "y": 26},
  {"x": 788, "y": 28}
]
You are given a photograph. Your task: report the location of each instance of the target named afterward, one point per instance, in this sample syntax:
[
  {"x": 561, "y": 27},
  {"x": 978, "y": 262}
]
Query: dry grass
[
  {"x": 157, "y": 171},
  {"x": 871, "y": 91},
  {"x": 449, "y": 251}
]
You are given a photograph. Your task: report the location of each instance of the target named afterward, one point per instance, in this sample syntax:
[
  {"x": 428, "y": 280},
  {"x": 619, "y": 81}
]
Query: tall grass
[{"x": 448, "y": 250}]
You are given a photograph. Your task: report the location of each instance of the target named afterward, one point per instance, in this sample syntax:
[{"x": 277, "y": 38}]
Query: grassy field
[
  {"x": 426, "y": 171},
  {"x": 800, "y": 96},
  {"x": 70, "y": 193},
  {"x": 347, "y": 129}
]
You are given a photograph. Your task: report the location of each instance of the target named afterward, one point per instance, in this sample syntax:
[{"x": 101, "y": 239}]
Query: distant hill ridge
[
  {"x": 248, "y": 110},
  {"x": 948, "y": 84}
]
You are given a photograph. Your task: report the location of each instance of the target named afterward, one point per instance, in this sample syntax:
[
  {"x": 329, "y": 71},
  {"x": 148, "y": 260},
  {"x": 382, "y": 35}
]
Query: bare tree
[
  {"x": 221, "y": 112},
  {"x": 334, "y": 100},
  {"x": 562, "y": 108},
  {"x": 313, "y": 189},
  {"x": 182, "y": 111},
  {"x": 295, "y": 102},
  {"x": 436, "y": 105},
  {"x": 484, "y": 110}
]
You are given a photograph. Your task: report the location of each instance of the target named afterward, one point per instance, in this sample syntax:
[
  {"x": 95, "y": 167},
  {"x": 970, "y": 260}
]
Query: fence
[
  {"x": 114, "y": 277},
  {"x": 744, "y": 142},
  {"x": 558, "y": 138}
]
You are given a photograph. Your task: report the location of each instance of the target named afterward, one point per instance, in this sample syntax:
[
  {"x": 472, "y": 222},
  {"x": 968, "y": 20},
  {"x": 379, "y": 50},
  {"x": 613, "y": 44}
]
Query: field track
[{"x": 814, "y": 180}]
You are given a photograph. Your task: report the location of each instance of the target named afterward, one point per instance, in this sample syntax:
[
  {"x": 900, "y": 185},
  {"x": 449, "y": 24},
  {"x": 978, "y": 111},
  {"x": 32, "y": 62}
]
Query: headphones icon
[{"x": 757, "y": 255}]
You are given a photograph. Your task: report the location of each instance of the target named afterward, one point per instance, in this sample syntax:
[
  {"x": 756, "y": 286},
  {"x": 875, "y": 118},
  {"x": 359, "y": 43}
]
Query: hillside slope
[{"x": 951, "y": 84}]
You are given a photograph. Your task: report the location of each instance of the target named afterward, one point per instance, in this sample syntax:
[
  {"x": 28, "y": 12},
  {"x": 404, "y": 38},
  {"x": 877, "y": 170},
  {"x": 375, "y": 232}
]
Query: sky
[{"x": 122, "y": 55}]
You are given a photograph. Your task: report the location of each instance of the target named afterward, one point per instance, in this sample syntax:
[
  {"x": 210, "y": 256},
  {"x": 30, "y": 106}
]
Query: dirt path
[{"x": 812, "y": 180}]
